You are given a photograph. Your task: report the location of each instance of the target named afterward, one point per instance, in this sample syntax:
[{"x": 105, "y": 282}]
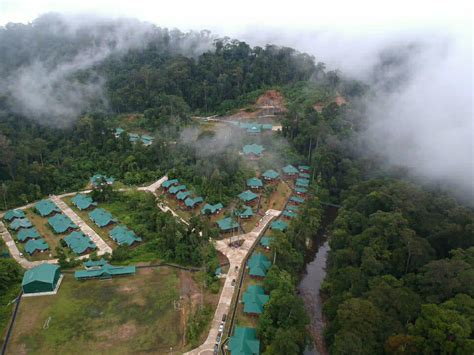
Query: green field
[{"x": 128, "y": 315}]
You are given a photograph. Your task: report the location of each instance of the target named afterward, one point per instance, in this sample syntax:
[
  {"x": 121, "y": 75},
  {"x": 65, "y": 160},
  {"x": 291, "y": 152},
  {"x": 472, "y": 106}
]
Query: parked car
[
  {"x": 216, "y": 348},
  {"x": 233, "y": 282},
  {"x": 221, "y": 327},
  {"x": 224, "y": 317},
  {"x": 219, "y": 336}
]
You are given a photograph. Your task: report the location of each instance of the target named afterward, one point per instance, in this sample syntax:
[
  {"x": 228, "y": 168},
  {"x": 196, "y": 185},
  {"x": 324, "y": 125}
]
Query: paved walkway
[
  {"x": 153, "y": 187},
  {"x": 101, "y": 245},
  {"x": 236, "y": 257},
  {"x": 15, "y": 253}
]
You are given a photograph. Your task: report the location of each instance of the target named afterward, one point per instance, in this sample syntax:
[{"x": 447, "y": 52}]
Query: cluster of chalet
[
  {"x": 180, "y": 192},
  {"x": 103, "y": 219},
  {"x": 253, "y": 151},
  {"x": 134, "y": 137}
]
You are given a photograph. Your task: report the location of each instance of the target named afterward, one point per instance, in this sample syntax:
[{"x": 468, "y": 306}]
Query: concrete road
[
  {"x": 15, "y": 253},
  {"x": 236, "y": 257}
]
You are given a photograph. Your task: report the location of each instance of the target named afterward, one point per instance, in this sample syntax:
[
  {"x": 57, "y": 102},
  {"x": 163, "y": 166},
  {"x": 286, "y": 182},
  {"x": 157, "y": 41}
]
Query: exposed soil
[
  {"x": 267, "y": 107},
  {"x": 339, "y": 100}
]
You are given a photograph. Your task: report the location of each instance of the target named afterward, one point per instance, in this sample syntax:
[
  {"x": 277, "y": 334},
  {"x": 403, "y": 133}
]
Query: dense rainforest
[{"x": 401, "y": 265}]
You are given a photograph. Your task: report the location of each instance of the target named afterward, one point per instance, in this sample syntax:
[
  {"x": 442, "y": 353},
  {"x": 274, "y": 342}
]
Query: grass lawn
[
  {"x": 102, "y": 232},
  {"x": 172, "y": 203},
  {"x": 129, "y": 315}
]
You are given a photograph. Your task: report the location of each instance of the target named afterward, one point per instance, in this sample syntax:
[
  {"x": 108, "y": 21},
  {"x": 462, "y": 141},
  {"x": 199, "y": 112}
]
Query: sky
[
  {"x": 425, "y": 124},
  {"x": 222, "y": 16}
]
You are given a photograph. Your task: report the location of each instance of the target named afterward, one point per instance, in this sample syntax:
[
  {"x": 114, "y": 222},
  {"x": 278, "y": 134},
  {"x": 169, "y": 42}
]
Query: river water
[{"x": 312, "y": 279}]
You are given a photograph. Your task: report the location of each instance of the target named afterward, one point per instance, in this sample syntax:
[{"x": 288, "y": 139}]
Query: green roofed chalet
[
  {"x": 290, "y": 170},
  {"x": 133, "y": 137},
  {"x": 289, "y": 214},
  {"x": 292, "y": 207},
  {"x": 183, "y": 195},
  {"x": 36, "y": 246},
  {"x": 279, "y": 225},
  {"x": 61, "y": 223},
  {"x": 12, "y": 214},
  {"x": 28, "y": 233},
  {"x": 301, "y": 190},
  {"x": 246, "y": 212},
  {"x": 253, "y": 150},
  {"x": 168, "y": 183},
  {"x": 267, "y": 126},
  {"x": 254, "y": 299},
  {"x": 302, "y": 182},
  {"x": 211, "y": 209},
  {"x": 79, "y": 243},
  {"x": 124, "y": 236},
  {"x": 304, "y": 175},
  {"x": 83, "y": 202},
  {"x": 265, "y": 241},
  {"x": 46, "y": 207},
  {"x": 244, "y": 342},
  {"x": 247, "y": 196},
  {"x": 20, "y": 223},
  {"x": 258, "y": 265},
  {"x": 42, "y": 278},
  {"x": 192, "y": 202},
  {"x": 296, "y": 199},
  {"x": 101, "y": 217},
  {"x": 304, "y": 168},
  {"x": 99, "y": 179},
  {"x": 175, "y": 189},
  {"x": 270, "y": 175},
  {"x": 254, "y": 128},
  {"x": 254, "y": 183},
  {"x": 90, "y": 264},
  {"x": 227, "y": 224},
  {"x": 146, "y": 140},
  {"x": 104, "y": 272},
  {"x": 118, "y": 131}
]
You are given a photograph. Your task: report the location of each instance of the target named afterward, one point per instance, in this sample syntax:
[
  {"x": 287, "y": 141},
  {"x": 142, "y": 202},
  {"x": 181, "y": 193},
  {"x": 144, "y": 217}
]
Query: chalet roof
[
  {"x": 301, "y": 190},
  {"x": 34, "y": 245},
  {"x": 211, "y": 209},
  {"x": 175, "y": 189},
  {"x": 290, "y": 169},
  {"x": 247, "y": 196},
  {"x": 254, "y": 299},
  {"x": 105, "y": 271},
  {"x": 99, "y": 178},
  {"x": 259, "y": 265},
  {"x": 304, "y": 167},
  {"x": 79, "y": 242},
  {"x": 61, "y": 223},
  {"x": 279, "y": 225},
  {"x": 253, "y": 149},
  {"x": 95, "y": 263},
  {"x": 43, "y": 273},
  {"x": 254, "y": 182},
  {"x": 296, "y": 199},
  {"x": 270, "y": 174},
  {"x": 226, "y": 224},
  {"x": 28, "y": 233},
  {"x": 182, "y": 195},
  {"x": 46, "y": 207},
  {"x": 124, "y": 236},
  {"x": 20, "y": 223},
  {"x": 304, "y": 175},
  {"x": 12, "y": 214},
  {"x": 246, "y": 212},
  {"x": 101, "y": 217},
  {"x": 244, "y": 342},
  {"x": 289, "y": 213},
  {"x": 83, "y": 202},
  {"x": 265, "y": 241},
  {"x": 169, "y": 183},
  {"x": 302, "y": 182},
  {"x": 191, "y": 202}
]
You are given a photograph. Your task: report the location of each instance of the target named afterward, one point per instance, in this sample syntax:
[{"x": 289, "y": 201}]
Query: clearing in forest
[{"x": 139, "y": 314}]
